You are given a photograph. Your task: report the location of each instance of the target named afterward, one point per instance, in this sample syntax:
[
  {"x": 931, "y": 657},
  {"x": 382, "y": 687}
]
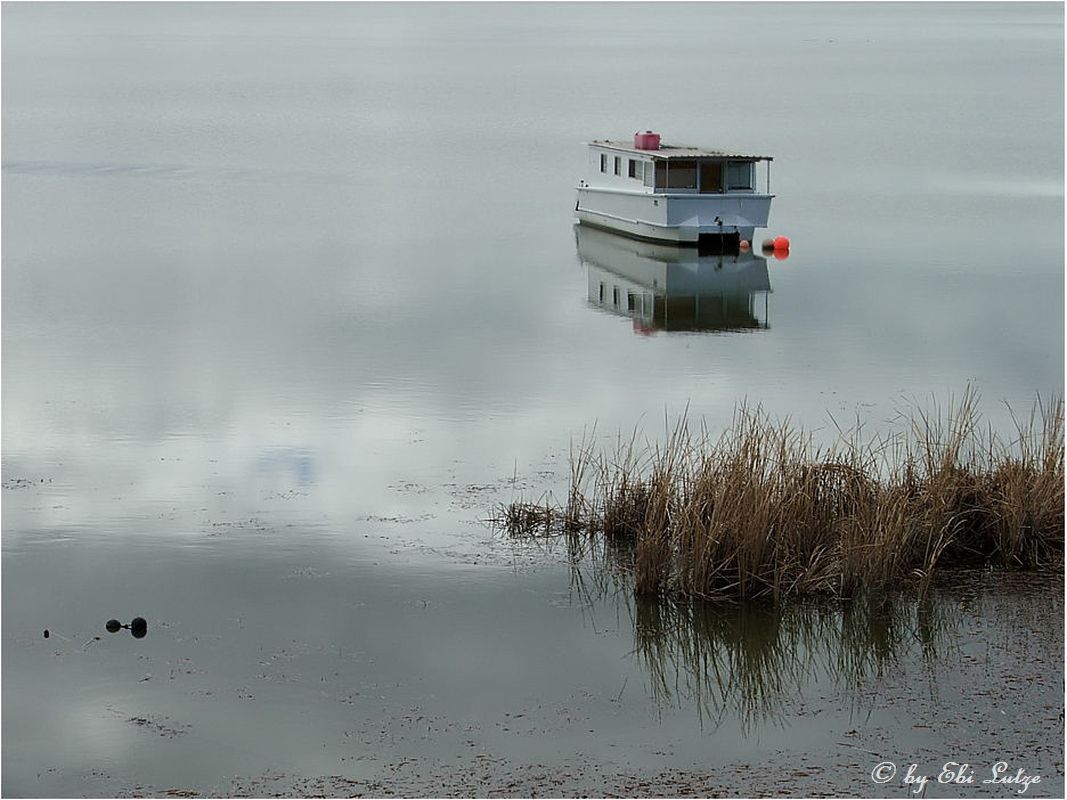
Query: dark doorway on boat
[
  {"x": 717, "y": 244},
  {"x": 710, "y": 177}
]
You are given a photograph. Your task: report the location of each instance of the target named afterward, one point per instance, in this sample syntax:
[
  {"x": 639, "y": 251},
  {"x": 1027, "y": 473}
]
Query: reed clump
[{"x": 760, "y": 511}]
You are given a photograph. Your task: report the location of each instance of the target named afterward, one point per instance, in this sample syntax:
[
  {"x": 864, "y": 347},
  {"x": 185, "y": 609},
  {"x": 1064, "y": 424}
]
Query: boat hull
[{"x": 675, "y": 218}]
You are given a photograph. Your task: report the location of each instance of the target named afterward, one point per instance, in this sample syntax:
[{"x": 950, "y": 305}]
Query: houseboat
[
  {"x": 670, "y": 193},
  {"x": 663, "y": 287}
]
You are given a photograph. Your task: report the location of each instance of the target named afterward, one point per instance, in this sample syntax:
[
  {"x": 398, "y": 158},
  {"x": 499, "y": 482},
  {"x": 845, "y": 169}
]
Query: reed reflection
[
  {"x": 748, "y": 661},
  {"x": 670, "y": 288}
]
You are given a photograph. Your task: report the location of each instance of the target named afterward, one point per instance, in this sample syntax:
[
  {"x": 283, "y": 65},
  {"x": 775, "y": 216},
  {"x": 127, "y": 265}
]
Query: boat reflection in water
[{"x": 671, "y": 288}]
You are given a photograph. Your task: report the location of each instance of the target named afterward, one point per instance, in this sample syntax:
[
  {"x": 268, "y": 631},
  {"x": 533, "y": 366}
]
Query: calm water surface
[{"x": 292, "y": 297}]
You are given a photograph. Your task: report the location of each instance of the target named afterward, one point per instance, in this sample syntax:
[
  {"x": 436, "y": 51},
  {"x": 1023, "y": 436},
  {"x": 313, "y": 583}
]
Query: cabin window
[
  {"x": 615, "y": 296},
  {"x": 710, "y": 176},
  {"x": 603, "y": 162},
  {"x": 682, "y": 175},
  {"x": 641, "y": 170},
  {"x": 740, "y": 175},
  {"x": 661, "y": 174},
  {"x": 618, "y": 165}
]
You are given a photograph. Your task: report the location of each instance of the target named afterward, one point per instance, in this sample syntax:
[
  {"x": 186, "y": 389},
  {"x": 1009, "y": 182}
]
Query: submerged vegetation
[{"x": 761, "y": 511}]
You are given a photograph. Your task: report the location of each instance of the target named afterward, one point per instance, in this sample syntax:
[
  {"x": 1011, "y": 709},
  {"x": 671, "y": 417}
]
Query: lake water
[{"x": 292, "y": 298}]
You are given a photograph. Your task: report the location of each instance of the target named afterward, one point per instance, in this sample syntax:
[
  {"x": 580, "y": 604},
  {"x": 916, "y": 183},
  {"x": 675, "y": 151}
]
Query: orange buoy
[
  {"x": 781, "y": 243},
  {"x": 781, "y": 253},
  {"x": 744, "y": 245}
]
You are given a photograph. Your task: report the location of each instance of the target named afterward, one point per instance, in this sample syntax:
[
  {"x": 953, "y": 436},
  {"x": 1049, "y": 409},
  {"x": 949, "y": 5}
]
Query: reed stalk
[{"x": 760, "y": 511}]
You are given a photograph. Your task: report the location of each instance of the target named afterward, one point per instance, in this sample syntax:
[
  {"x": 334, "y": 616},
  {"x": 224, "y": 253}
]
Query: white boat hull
[{"x": 675, "y": 218}]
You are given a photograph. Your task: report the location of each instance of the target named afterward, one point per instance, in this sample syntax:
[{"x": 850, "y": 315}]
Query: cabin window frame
[
  {"x": 690, "y": 165},
  {"x": 656, "y": 176},
  {"x": 728, "y": 176},
  {"x": 640, "y": 170},
  {"x": 618, "y": 166}
]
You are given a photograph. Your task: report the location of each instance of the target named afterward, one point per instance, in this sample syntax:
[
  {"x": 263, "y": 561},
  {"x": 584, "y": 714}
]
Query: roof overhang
[{"x": 670, "y": 152}]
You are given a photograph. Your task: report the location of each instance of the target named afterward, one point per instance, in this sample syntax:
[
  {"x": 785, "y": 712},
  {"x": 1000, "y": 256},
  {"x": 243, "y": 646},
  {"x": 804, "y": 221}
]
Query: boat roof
[{"x": 669, "y": 151}]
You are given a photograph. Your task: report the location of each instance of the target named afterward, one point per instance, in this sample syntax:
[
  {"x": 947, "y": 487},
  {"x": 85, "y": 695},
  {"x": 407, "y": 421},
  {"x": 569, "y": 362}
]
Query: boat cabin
[{"x": 673, "y": 169}]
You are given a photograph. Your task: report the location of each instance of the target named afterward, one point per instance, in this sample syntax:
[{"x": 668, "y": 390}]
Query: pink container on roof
[{"x": 646, "y": 141}]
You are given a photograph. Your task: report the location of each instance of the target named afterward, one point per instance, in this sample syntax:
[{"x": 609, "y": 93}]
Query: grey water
[{"x": 292, "y": 298}]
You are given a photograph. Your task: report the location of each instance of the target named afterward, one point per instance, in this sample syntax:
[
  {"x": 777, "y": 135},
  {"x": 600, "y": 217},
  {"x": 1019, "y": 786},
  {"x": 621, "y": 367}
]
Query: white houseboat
[
  {"x": 663, "y": 287},
  {"x": 669, "y": 193}
]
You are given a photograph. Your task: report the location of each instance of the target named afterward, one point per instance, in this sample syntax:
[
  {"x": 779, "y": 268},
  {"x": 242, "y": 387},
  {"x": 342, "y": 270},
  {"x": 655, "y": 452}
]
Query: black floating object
[
  {"x": 46, "y": 633},
  {"x": 113, "y": 626},
  {"x": 139, "y": 627}
]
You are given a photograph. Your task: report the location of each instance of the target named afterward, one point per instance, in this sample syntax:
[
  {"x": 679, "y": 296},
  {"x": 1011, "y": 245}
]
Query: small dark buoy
[
  {"x": 46, "y": 633},
  {"x": 768, "y": 245},
  {"x": 113, "y": 626},
  {"x": 139, "y": 627}
]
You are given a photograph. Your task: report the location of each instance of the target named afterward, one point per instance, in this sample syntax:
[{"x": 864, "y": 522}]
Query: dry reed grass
[{"x": 761, "y": 511}]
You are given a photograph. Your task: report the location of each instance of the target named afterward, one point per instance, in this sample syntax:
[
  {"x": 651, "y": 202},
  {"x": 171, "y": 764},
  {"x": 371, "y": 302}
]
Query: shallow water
[{"x": 292, "y": 298}]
